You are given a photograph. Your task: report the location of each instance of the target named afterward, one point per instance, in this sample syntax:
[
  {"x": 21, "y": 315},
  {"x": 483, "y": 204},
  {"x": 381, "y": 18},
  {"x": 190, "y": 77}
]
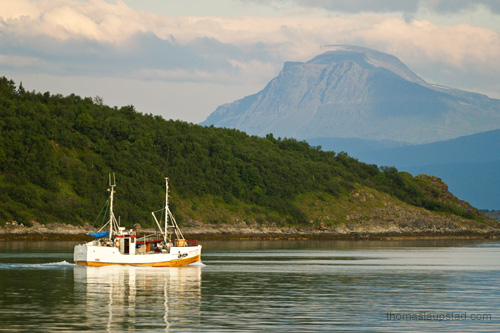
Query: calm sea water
[{"x": 384, "y": 286}]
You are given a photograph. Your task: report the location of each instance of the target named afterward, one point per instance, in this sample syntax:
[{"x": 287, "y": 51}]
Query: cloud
[
  {"x": 457, "y": 6},
  {"x": 65, "y": 19},
  {"x": 383, "y": 6},
  {"x": 102, "y": 39},
  {"x": 456, "y": 46},
  {"x": 357, "y": 6},
  {"x": 459, "y": 56}
]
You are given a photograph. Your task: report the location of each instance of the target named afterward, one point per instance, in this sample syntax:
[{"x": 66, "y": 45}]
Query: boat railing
[
  {"x": 156, "y": 238},
  {"x": 152, "y": 238},
  {"x": 191, "y": 242}
]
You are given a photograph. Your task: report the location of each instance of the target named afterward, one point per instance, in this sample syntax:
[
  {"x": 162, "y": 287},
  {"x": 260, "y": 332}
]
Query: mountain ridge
[
  {"x": 478, "y": 147},
  {"x": 354, "y": 92}
]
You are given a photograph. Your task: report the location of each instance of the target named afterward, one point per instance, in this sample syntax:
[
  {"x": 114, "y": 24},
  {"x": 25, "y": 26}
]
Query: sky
[{"x": 182, "y": 59}]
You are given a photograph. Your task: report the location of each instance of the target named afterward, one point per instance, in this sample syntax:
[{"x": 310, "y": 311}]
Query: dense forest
[{"x": 56, "y": 153}]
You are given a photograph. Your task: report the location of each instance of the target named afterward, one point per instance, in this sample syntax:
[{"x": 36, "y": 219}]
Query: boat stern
[{"x": 80, "y": 255}]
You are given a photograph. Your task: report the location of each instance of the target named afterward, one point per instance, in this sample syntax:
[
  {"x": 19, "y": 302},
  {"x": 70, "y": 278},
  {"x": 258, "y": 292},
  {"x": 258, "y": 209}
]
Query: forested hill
[{"x": 56, "y": 153}]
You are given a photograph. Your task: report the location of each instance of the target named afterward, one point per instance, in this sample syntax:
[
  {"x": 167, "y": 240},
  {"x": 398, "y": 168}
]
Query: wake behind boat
[{"x": 118, "y": 246}]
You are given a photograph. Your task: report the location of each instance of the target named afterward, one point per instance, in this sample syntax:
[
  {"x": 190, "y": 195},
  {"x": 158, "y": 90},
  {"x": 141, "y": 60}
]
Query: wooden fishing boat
[{"x": 166, "y": 247}]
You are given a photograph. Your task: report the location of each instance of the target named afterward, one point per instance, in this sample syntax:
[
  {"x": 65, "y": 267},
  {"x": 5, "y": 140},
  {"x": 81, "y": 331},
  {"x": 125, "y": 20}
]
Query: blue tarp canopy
[{"x": 99, "y": 234}]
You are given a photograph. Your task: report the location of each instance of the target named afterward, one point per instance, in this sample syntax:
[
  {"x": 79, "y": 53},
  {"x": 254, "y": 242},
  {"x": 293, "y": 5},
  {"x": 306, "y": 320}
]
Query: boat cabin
[{"x": 126, "y": 241}]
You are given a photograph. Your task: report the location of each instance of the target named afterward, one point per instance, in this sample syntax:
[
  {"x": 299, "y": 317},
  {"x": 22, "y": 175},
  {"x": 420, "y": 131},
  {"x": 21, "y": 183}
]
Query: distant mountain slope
[
  {"x": 470, "y": 164},
  {"x": 477, "y": 183},
  {"x": 355, "y": 147},
  {"x": 354, "y": 92},
  {"x": 475, "y": 148}
]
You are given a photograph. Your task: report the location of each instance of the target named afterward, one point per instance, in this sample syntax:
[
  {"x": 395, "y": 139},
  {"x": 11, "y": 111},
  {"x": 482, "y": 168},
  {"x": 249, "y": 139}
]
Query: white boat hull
[{"x": 94, "y": 255}]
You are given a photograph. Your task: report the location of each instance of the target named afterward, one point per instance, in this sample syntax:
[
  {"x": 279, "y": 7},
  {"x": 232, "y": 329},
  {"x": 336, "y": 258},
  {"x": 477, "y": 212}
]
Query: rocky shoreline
[
  {"x": 359, "y": 230},
  {"x": 14, "y": 230}
]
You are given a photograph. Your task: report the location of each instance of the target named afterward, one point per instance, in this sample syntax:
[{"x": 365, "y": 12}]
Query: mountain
[{"x": 355, "y": 92}]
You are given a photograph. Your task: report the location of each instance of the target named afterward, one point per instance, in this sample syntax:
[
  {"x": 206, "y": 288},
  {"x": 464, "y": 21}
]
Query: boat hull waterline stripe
[{"x": 171, "y": 263}]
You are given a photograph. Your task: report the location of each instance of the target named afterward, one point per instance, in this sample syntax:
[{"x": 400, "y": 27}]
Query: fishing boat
[{"x": 166, "y": 247}]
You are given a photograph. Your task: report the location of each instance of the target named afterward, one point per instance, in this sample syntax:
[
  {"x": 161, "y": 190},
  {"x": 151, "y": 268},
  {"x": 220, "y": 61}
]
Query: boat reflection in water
[{"x": 134, "y": 297}]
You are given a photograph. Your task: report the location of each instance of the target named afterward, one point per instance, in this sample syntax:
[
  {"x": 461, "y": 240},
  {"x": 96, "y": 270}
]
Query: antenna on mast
[
  {"x": 111, "y": 214},
  {"x": 166, "y": 209},
  {"x": 114, "y": 180}
]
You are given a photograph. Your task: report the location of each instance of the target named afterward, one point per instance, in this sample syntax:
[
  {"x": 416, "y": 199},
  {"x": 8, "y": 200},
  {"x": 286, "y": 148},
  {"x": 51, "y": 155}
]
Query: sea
[{"x": 259, "y": 285}]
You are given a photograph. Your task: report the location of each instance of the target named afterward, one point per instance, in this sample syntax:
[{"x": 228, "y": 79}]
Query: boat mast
[
  {"x": 111, "y": 214},
  {"x": 166, "y": 210}
]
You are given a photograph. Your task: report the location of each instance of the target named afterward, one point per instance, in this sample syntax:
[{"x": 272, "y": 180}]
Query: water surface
[{"x": 259, "y": 285}]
